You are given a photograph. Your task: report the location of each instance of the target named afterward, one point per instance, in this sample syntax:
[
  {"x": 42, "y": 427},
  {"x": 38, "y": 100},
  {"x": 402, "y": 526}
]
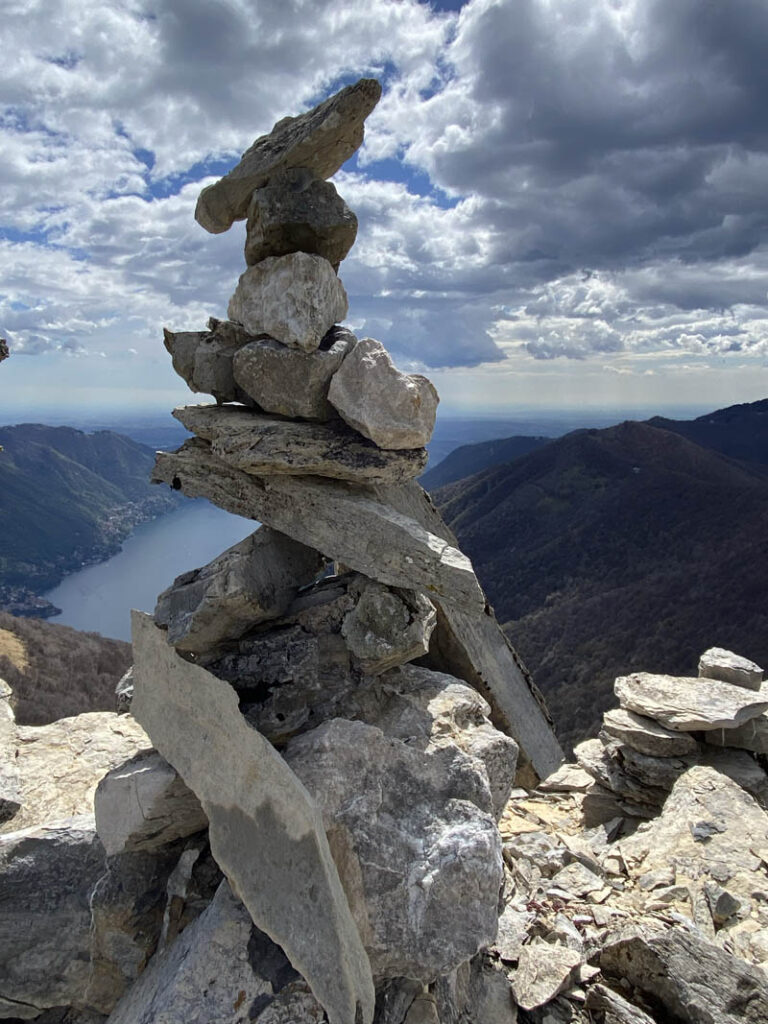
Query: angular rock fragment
[
  {"x": 687, "y": 978},
  {"x": 611, "y": 1008},
  {"x": 204, "y": 359},
  {"x": 144, "y": 804},
  {"x": 298, "y": 212},
  {"x": 320, "y": 140},
  {"x": 10, "y": 784},
  {"x": 4, "y": 350},
  {"x": 393, "y": 409},
  {"x": 645, "y": 735},
  {"x": 752, "y": 735},
  {"x": 717, "y": 663},
  {"x": 124, "y": 692},
  {"x": 294, "y": 299},
  {"x": 596, "y": 759},
  {"x": 421, "y": 861},
  {"x": 347, "y": 526},
  {"x": 263, "y": 446},
  {"x": 251, "y": 582},
  {"x": 291, "y": 382},
  {"x": 689, "y": 705},
  {"x": 568, "y": 778},
  {"x": 542, "y": 972},
  {"x": 253, "y": 801},
  {"x": 387, "y": 628}
]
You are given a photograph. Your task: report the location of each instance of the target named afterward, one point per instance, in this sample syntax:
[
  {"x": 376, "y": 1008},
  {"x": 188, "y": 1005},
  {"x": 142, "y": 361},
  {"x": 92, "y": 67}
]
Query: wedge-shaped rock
[
  {"x": 291, "y": 382},
  {"x": 60, "y": 764},
  {"x": 220, "y": 970},
  {"x": 687, "y": 704},
  {"x": 348, "y": 526},
  {"x": 144, "y": 804},
  {"x": 717, "y": 663},
  {"x": 320, "y": 140},
  {"x": 645, "y": 735},
  {"x": 388, "y": 628},
  {"x": 686, "y": 978},
  {"x": 299, "y": 213},
  {"x": 613, "y": 1008},
  {"x": 421, "y": 861},
  {"x": 394, "y": 409},
  {"x": 262, "y": 446},
  {"x": 204, "y": 359},
  {"x": 266, "y": 832},
  {"x": 295, "y": 299},
  {"x": 251, "y": 582},
  {"x": 753, "y": 735},
  {"x": 543, "y": 970}
]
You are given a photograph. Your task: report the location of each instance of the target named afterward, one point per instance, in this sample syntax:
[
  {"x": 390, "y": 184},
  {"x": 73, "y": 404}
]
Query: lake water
[{"x": 99, "y": 598}]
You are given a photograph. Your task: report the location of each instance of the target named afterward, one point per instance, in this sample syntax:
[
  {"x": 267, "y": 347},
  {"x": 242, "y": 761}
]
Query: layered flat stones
[
  {"x": 689, "y": 705},
  {"x": 645, "y": 735},
  {"x": 294, "y": 299}
]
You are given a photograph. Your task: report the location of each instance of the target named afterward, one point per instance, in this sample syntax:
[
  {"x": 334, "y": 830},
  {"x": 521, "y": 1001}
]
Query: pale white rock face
[
  {"x": 295, "y": 299},
  {"x": 420, "y": 861},
  {"x": 543, "y": 970},
  {"x": 251, "y": 582},
  {"x": 60, "y": 764},
  {"x": 265, "y": 445},
  {"x": 717, "y": 663},
  {"x": 265, "y": 830},
  {"x": 144, "y": 804},
  {"x": 320, "y": 140},
  {"x": 289, "y": 381},
  {"x": 393, "y": 409},
  {"x": 387, "y": 628},
  {"x": 689, "y": 705},
  {"x": 645, "y": 735}
]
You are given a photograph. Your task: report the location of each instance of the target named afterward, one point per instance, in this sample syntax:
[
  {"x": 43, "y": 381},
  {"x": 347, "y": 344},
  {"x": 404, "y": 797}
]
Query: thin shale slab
[{"x": 687, "y": 704}]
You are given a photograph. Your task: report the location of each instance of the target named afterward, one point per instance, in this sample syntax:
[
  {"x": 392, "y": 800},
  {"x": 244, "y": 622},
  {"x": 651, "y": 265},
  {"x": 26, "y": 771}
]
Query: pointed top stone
[{"x": 321, "y": 140}]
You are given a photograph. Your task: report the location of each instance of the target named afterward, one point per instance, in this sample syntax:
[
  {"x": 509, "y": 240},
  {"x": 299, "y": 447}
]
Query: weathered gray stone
[
  {"x": 204, "y": 358},
  {"x": 542, "y": 971},
  {"x": 423, "y": 1010},
  {"x": 594, "y": 758},
  {"x": 687, "y": 978},
  {"x": 299, "y": 213},
  {"x": 345, "y": 525},
  {"x": 717, "y": 663},
  {"x": 4, "y": 351},
  {"x": 611, "y": 1008},
  {"x": 10, "y": 783},
  {"x": 645, "y": 735},
  {"x": 568, "y": 778},
  {"x": 295, "y": 299},
  {"x": 144, "y": 804},
  {"x": 421, "y": 861},
  {"x": 387, "y": 628},
  {"x": 687, "y": 704},
  {"x": 265, "y": 445},
  {"x": 394, "y": 409},
  {"x": 47, "y": 876},
  {"x": 221, "y": 970},
  {"x": 253, "y": 801},
  {"x": 291, "y": 382},
  {"x": 753, "y": 735},
  {"x": 251, "y": 582},
  {"x": 320, "y": 140},
  {"x": 124, "y": 692}
]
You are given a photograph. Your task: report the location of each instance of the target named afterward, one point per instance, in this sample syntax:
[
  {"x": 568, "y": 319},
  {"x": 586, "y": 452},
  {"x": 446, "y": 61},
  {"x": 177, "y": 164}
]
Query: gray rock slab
[
  {"x": 320, "y": 140},
  {"x": 295, "y": 299},
  {"x": 124, "y": 692},
  {"x": 10, "y": 782},
  {"x": 265, "y": 445},
  {"x": 717, "y": 663},
  {"x": 469, "y": 644},
  {"x": 254, "y": 802},
  {"x": 688, "y": 978},
  {"x": 689, "y": 705},
  {"x": 349, "y": 526},
  {"x": 421, "y": 862},
  {"x": 613, "y": 1008},
  {"x": 47, "y": 876},
  {"x": 289, "y": 381},
  {"x": 645, "y": 735},
  {"x": 251, "y": 582},
  {"x": 753, "y": 735},
  {"x": 386, "y": 627},
  {"x": 221, "y": 970},
  {"x": 299, "y": 213},
  {"x": 204, "y": 359},
  {"x": 543, "y": 971},
  {"x": 393, "y": 409},
  {"x": 144, "y": 804},
  {"x": 596, "y": 759},
  {"x": 569, "y": 778}
]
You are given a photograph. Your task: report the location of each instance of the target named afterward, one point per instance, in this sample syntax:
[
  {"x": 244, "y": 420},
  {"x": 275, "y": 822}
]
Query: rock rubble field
[{"x": 331, "y": 791}]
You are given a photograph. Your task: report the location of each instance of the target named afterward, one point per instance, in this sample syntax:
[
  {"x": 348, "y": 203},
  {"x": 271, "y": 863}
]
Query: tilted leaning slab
[
  {"x": 266, "y": 832},
  {"x": 346, "y": 524}
]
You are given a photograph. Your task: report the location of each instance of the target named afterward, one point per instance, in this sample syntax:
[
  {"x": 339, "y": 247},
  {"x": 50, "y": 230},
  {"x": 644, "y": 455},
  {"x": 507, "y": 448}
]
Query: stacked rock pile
[{"x": 665, "y": 725}]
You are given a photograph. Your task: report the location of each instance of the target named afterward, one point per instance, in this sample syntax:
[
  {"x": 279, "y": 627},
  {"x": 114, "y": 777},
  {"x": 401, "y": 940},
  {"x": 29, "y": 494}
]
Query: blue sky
[{"x": 561, "y": 202}]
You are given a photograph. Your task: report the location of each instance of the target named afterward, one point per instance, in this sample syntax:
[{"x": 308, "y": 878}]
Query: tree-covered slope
[{"x": 472, "y": 458}]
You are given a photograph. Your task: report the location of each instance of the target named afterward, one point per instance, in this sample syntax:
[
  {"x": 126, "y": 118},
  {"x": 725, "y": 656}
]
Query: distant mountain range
[
  {"x": 472, "y": 458},
  {"x": 66, "y": 498},
  {"x": 637, "y": 546}
]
